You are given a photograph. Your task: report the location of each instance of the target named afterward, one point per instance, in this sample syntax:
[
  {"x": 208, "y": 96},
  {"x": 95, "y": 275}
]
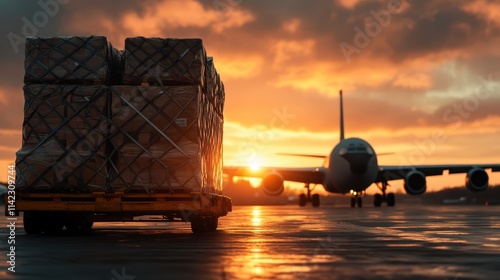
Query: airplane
[{"x": 352, "y": 167}]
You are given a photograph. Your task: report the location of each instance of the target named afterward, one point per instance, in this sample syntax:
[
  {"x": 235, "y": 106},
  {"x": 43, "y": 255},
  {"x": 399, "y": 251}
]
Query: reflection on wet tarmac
[
  {"x": 278, "y": 242},
  {"x": 256, "y": 220}
]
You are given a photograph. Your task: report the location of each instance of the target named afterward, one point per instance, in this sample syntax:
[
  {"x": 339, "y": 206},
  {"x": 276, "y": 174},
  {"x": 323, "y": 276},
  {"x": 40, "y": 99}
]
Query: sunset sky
[{"x": 408, "y": 69}]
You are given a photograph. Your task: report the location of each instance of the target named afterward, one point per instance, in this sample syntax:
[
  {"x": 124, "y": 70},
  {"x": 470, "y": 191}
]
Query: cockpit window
[{"x": 360, "y": 148}]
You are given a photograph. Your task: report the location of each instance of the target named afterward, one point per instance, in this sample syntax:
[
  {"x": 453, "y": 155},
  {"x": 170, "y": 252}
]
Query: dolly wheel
[
  {"x": 211, "y": 223},
  {"x": 302, "y": 200},
  {"x": 197, "y": 224},
  {"x": 315, "y": 200},
  {"x": 52, "y": 223},
  {"x": 32, "y": 223},
  {"x": 87, "y": 225},
  {"x": 391, "y": 199}
]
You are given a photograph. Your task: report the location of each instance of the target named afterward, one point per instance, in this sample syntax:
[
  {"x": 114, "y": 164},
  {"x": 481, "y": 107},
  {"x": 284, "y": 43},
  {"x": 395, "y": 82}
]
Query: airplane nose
[{"x": 358, "y": 162}]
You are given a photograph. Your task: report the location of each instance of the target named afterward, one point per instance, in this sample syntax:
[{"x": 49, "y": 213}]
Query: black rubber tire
[
  {"x": 32, "y": 223},
  {"x": 197, "y": 224},
  {"x": 315, "y": 200},
  {"x": 377, "y": 200},
  {"x": 211, "y": 223},
  {"x": 360, "y": 202},
  {"x": 52, "y": 223},
  {"x": 87, "y": 225},
  {"x": 77, "y": 222},
  {"x": 72, "y": 225},
  {"x": 302, "y": 200},
  {"x": 391, "y": 200}
]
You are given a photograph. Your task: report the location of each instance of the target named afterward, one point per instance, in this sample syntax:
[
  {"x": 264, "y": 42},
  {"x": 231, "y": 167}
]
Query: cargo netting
[
  {"x": 214, "y": 87},
  {"x": 164, "y": 138},
  {"x": 64, "y": 138},
  {"x": 71, "y": 60},
  {"x": 121, "y": 138},
  {"x": 159, "y": 61}
]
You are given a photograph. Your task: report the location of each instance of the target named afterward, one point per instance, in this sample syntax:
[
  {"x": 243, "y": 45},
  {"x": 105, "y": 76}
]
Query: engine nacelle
[
  {"x": 415, "y": 182},
  {"x": 272, "y": 184},
  {"x": 476, "y": 180}
]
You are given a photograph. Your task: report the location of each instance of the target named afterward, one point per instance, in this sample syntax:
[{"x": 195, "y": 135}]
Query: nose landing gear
[
  {"x": 314, "y": 199},
  {"x": 357, "y": 198},
  {"x": 390, "y": 198}
]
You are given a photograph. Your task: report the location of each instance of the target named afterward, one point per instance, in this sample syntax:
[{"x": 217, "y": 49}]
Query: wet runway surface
[{"x": 274, "y": 242}]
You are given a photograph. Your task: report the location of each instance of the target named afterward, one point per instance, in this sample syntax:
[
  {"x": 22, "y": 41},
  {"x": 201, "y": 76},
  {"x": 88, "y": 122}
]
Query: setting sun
[{"x": 255, "y": 165}]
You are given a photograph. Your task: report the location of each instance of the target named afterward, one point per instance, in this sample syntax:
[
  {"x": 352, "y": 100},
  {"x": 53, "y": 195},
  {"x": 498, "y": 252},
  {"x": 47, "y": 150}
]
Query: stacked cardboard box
[
  {"x": 213, "y": 110},
  {"x": 70, "y": 60},
  {"x": 160, "y": 130},
  {"x": 62, "y": 135},
  {"x": 215, "y": 87},
  {"x": 159, "y": 61},
  {"x": 165, "y": 121},
  {"x": 156, "y": 132},
  {"x": 64, "y": 128}
]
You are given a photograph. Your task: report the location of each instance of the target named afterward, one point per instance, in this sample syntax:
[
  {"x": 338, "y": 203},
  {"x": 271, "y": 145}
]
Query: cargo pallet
[{"x": 50, "y": 212}]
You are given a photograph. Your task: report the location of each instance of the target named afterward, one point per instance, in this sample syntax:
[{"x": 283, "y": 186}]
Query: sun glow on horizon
[{"x": 255, "y": 166}]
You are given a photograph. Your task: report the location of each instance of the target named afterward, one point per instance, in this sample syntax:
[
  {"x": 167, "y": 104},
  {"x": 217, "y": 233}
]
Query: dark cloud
[
  {"x": 19, "y": 19},
  {"x": 436, "y": 28},
  {"x": 11, "y": 107},
  {"x": 482, "y": 65},
  {"x": 468, "y": 109},
  {"x": 423, "y": 28},
  {"x": 10, "y": 142}
]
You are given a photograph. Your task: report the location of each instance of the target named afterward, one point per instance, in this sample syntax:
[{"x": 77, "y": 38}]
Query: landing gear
[
  {"x": 357, "y": 199},
  {"x": 377, "y": 200},
  {"x": 314, "y": 199},
  {"x": 389, "y": 198},
  {"x": 302, "y": 200}
]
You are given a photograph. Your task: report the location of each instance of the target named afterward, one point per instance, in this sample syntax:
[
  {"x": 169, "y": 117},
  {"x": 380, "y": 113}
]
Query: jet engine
[
  {"x": 415, "y": 182},
  {"x": 476, "y": 180},
  {"x": 272, "y": 184}
]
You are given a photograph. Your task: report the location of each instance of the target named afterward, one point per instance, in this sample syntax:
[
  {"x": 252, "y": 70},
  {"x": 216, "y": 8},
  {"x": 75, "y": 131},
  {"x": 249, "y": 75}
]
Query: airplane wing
[
  {"x": 311, "y": 175},
  {"x": 394, "y": 172}
]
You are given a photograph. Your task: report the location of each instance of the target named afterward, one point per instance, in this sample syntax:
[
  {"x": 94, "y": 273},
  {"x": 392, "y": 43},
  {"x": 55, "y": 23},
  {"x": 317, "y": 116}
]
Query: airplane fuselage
[{"x": 351, "y": 166}]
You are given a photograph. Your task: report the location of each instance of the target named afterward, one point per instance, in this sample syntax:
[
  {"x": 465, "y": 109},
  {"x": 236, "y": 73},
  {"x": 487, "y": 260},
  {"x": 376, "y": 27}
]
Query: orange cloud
[
  {"x": 237, "y": 66},
  {"x": 328, "y": 77},
  {"x": 159, "y": 19},
  {"x": 413, "y": 81},
  {"x": 3, "y": 98},
  {"x": 232, "y": 18},
  {"x": 188, "y": 13},
  {"x": 349, "y": 3},
  {"x": 291, "y": 26},
  {"x": 483, "y": 8},
  {"x": 287, "y": 50}
]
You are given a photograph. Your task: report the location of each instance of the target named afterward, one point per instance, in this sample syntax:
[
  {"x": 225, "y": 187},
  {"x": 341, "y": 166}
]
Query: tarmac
[{"x": 272, "y": 242}]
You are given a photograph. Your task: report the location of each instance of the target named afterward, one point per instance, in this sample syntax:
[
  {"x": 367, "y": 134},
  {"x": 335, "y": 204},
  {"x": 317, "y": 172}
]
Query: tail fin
[{"x": 341, "y": 118}]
